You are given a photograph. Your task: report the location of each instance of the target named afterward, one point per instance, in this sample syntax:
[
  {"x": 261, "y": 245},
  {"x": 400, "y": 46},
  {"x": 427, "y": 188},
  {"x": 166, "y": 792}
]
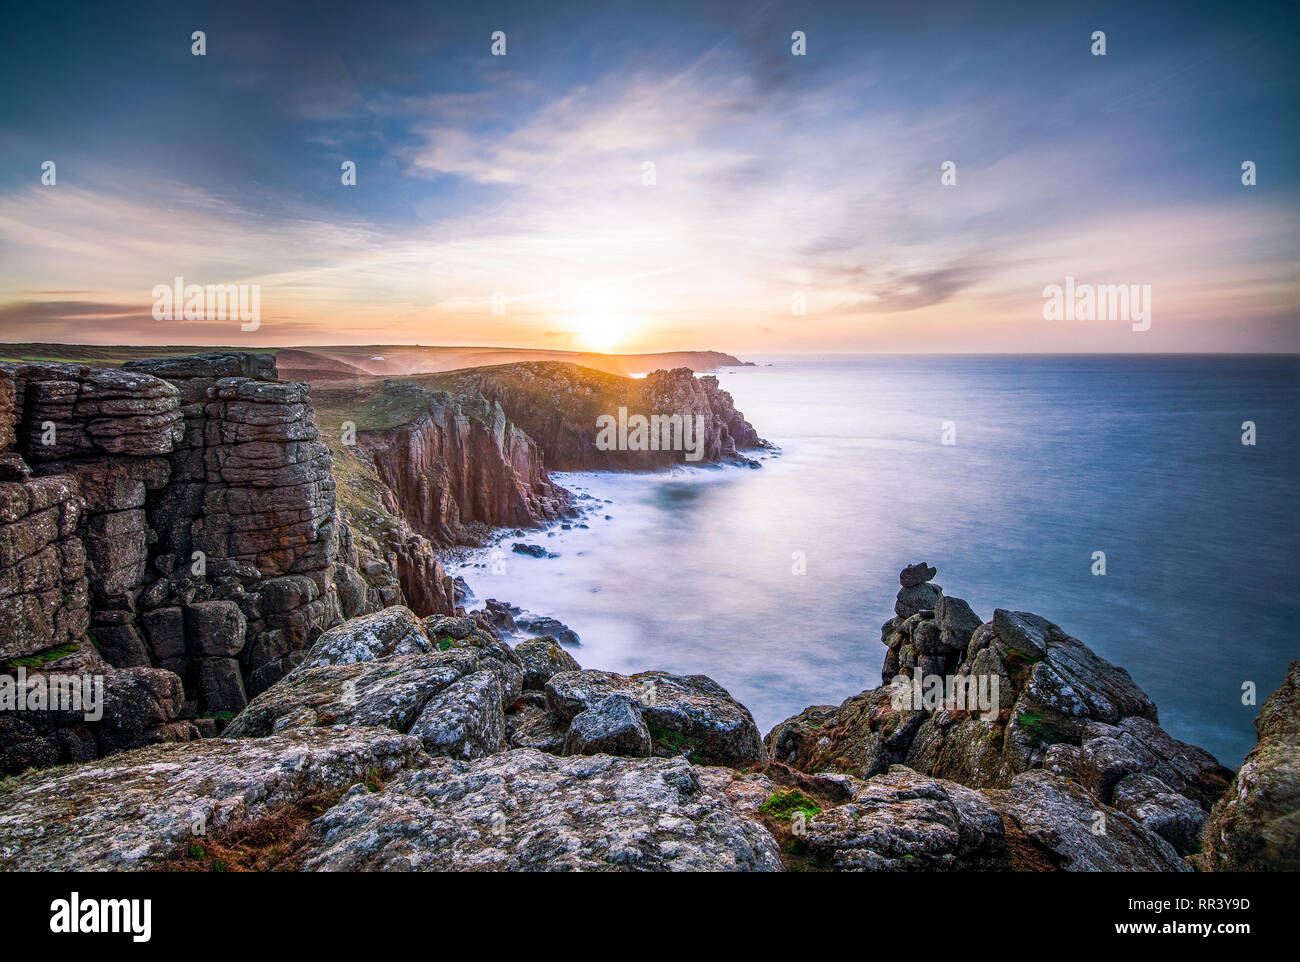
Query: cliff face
[
  {"x": 459, "y": 465},
  {"x": 175, "y": 518},
  {"x": 73, "y": 547},
  {"x": 174, "y": 525},
  {"x": 558, "y": 406}
]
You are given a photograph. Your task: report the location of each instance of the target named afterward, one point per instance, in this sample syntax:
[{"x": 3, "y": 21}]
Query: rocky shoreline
[
  {"x": 183, "y": 528},
  {"x": 405, "y": 743},
  {"x": 320, "y": 695}
]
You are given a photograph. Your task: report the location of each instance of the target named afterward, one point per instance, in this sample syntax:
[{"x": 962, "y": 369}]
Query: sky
[{"x": 503, "y": 200}]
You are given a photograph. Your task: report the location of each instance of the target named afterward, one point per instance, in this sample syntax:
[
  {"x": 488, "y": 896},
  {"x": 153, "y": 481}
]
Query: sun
[
  {"x": 597, "y": 332},
  {"x": 597, "y": 322}
]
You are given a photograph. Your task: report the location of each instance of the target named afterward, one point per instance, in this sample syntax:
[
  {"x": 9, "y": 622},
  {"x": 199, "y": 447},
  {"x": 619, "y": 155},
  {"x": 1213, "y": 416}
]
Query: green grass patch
[
  {"x": 1045, "y": 729},
  {"x": 42, "y": 657},
  {"x": 783, "y": 804}
]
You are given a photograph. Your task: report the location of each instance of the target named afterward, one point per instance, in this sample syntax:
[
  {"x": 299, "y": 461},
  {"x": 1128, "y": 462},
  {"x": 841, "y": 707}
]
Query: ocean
[{"x": 1053, "y": 459}]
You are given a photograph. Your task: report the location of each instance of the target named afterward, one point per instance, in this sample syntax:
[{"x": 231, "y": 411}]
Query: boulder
[
  {"x": 864, "y": 736},
  {"x": 956, "y": 621},
  {"x": 384, "y": 633},
  {"x": 530, "y": 723},
  {"x": 921, "y": 597},
  {"x": 1103, "y": 762},
  {"x": 465, "y": 719},
  {"x": 901, "y": 821},
  {"x": 915, "y": 575},
  {"x": 1022, "y": 631},
  {"x": 614, "y": 727},
  {"x": 390, "y": 693},
  {"x": 689, "y": 714},
  {"x": 548, "y": 627},
  {"x": 449, "y": 626},
  {"x": 1186, "y": 769},
  {"x": 1175, "y": 818},
  {"x": 541, "y": 658},
  {"x": 1076, "y": 832}
]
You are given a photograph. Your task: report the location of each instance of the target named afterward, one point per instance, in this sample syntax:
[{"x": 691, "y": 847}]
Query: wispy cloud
[{"x": 525, "y": 183}]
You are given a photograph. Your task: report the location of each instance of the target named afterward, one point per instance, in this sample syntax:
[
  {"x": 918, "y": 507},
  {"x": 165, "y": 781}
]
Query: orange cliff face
[{"x": 460, "y": 463}]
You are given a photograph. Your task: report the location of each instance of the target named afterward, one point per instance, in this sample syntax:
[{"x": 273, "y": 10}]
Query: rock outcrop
[
  {"x": 1255, "y": 825},
  {"x": 177, "y": 515},
  {"x": 986, "y": 705},
  {"x": 526, "y": 810},
  {"x": 79, "y": 449},
  {"x": 141, "y": 809},
  {"x": 691, "y": 713},
  {"x": 558, "y": 406},
  {"x": 421, "y": 466},
  {"x": 389, "y": 670}
]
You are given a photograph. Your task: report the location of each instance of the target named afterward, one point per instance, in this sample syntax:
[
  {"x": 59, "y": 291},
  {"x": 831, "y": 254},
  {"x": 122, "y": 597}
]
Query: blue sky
[{"x": 521, "y": 176}]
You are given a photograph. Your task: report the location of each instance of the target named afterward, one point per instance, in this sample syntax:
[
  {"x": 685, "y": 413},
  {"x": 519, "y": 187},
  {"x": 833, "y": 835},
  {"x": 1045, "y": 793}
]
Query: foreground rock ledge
[
  {"x": 527, "y": 810},
  {"x": 135, "y": 810}
]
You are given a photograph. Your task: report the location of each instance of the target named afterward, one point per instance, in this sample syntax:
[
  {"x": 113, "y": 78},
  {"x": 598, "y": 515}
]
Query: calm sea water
[{"x": 1055, "y": 458}]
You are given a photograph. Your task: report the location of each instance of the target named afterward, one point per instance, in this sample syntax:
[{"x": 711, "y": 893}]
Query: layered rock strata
[{"x": 177, "y": 515}]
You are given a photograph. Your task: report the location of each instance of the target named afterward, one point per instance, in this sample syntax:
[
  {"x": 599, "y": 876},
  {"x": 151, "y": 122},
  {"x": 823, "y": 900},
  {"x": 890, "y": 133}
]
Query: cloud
[
  {"x": 769, "y": 178},
  {"x": 911, "y": 292}
]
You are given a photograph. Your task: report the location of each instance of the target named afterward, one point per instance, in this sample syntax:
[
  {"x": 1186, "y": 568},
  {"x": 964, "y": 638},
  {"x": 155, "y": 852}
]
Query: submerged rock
[{"x": 547, "y": 627}]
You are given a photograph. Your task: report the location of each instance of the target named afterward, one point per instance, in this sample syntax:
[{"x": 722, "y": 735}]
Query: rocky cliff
[
  {"x": 461, "y": 467},
  {"x": 181, "y": 532},
  {"x": 171, "y": 524},
  {"x": 183, "y": 514},
  {"x": 403, "y": 743},
  {"x": 558, "y": 405}
]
